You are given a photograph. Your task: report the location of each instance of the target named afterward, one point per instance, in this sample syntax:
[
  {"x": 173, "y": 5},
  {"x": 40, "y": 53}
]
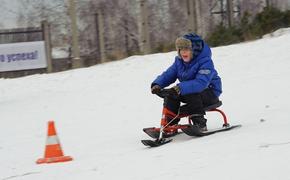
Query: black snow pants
[{"x": 194, "y": 103}]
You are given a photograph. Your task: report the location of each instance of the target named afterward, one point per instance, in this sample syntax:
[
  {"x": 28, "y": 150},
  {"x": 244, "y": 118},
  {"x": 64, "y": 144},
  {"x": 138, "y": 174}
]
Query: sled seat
[
  {"x": 213, "y": 106},
  {"x": 184, "y": 109}
]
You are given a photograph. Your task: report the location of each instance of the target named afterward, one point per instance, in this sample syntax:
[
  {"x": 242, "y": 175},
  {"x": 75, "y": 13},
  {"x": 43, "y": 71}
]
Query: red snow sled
[{"x": 189, "y": 129}]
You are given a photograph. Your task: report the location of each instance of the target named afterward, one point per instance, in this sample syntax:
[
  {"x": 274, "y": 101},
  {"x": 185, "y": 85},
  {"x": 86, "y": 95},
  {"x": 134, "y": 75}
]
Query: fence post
[
  {"x": 46, "y": 37},
  {"x": 77, "y": 62}
]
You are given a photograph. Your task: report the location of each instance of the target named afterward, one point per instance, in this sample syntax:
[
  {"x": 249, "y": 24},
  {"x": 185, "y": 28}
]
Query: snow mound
[{"x": 277, "y": 33}]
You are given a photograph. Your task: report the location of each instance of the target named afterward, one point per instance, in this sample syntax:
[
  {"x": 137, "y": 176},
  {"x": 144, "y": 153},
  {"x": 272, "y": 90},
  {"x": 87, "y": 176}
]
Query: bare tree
[
  {"x": 252, "y": 7},
  {"x": 120, "y": 27},
  {"x": 32, "y": 12},
  {"x": 282, "y": 4},
  {"x": 168, "y": 19},
  {"x": 177, "y": 18}
]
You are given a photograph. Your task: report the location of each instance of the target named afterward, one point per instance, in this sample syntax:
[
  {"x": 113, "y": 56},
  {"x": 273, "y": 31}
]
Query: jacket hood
[{"x": 199, "y": 47}]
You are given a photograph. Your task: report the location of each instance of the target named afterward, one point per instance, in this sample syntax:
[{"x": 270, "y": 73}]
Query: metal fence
[{"x": 21, "y": 35}]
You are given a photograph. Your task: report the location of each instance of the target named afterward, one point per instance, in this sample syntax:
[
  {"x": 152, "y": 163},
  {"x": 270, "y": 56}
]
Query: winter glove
[
  {"x": 175, "y": 91},
  {"x": 172, "y": 93},
  {"x": 155, "y": 89}
]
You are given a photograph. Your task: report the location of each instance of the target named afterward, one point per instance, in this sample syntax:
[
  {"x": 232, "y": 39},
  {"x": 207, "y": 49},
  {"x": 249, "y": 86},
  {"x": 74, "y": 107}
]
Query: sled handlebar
[{"x": 164, "y": 93}]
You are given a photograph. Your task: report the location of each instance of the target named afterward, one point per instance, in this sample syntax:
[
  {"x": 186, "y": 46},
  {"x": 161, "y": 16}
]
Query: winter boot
[
  {"x": 199, "y": 121},
  {"x": 174, "y": 122},
  {"x": 171, "y": 132}
]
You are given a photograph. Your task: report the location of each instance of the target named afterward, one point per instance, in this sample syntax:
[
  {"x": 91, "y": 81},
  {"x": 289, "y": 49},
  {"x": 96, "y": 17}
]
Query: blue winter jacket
[{"x": 195, "y": 76}]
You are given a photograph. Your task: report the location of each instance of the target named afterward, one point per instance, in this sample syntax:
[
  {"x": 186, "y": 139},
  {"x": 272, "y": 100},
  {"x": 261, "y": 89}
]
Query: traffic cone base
[
  {"x": 53, "y": 152},
  {"x": 54, "y": 159}
]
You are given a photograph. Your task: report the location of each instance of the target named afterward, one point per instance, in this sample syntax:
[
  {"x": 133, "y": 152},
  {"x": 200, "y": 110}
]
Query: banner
[{"x": 21, "y": 56}]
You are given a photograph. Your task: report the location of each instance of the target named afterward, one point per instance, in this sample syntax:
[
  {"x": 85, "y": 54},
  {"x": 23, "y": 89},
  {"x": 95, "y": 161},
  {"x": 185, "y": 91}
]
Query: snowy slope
[{"x": 100, "y": 112}]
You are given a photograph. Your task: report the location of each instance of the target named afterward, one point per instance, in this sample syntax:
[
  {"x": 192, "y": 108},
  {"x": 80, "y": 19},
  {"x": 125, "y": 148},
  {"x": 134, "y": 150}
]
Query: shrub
[
  {"x": 269, "y": 20},
  {"x": 224, "y": 36}
]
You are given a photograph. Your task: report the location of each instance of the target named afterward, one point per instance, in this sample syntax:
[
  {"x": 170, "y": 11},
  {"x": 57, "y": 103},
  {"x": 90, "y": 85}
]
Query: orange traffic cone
[{"x": 53, "y": 152}]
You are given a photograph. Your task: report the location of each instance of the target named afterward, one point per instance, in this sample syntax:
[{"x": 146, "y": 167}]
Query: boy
[{"x": 199, "y": 84}]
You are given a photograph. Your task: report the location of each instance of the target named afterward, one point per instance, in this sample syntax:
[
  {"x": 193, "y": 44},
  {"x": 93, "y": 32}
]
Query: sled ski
[
  {"x": 155, "y": 132},
  {"x": 195, "y": 131},
  {"x": 191, "y": 130},
  {"x": 156, "y": 143}
]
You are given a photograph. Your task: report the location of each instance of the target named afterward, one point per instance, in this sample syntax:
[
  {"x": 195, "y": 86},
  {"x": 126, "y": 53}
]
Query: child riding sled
[{"x": 199, "y": 84}]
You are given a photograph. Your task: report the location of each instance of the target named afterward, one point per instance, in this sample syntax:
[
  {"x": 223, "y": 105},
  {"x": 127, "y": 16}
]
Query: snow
[
  {"x": 99, "y": 113},
  {"x": 278, "y": 32},
  {"x": 60, "y": 52}
]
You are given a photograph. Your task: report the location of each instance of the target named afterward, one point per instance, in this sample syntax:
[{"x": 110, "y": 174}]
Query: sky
[{"x": 99, "y": 113}]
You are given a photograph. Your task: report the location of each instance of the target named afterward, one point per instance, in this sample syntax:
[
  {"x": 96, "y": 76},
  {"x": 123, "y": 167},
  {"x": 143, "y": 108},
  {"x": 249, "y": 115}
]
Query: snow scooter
[{"x": 162, "y": 135}]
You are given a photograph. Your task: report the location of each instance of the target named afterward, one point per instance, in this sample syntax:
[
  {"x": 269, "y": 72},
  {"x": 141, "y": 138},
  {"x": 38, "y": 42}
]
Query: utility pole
[
  {"x": 145, "y": 42},
  {"x": 75, "y": 41},
  {"x": 192, "y": 16}
]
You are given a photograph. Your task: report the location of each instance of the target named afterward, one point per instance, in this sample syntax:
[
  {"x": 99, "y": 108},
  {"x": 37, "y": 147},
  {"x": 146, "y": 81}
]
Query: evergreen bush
[{"x": 267, "y": 21}]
